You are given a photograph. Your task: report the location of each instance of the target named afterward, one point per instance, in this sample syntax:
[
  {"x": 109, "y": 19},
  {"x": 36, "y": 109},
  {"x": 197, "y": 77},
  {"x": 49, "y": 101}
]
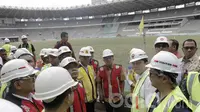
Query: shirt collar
[
  {"x": 29, "y": 98},
  {"x": 194, "y": 57}
]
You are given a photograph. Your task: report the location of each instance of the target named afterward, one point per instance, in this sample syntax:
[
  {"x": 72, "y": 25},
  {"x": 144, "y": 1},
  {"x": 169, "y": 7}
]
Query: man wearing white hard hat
[
  {"x": 23, "y": 53},
  {"x": 143, "y": 88},
  {"x": 7, "y": 46},
  {"x": 53, "y": 57},
  {"x": 164, "y": 69},
  {"x": 27, "y": 45},
  {"x": 12, "y": 52},
  {"x": 55, "y": 86},
  {"x": 161, "y": 44},
  {"x": 6, "y": 106},
  {"x": 93, "y": 61},
  {"x": 111, "y": 80},
  {"x": 131, "y": 75},
  {"x": 20, "y": 77},
  {"x": 47, "y": 64},
  {"x": 64, "y": 52},
  {"x": 72, "y": 65},
  {"x": 87, "y": 78}
]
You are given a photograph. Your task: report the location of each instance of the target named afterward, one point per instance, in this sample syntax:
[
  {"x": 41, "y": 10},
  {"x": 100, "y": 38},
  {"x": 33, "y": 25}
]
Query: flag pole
[{"x": 144, "y": 39}]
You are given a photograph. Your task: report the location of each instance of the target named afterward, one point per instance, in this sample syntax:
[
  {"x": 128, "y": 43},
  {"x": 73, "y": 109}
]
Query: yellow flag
[{"x": 141, "y": 26}]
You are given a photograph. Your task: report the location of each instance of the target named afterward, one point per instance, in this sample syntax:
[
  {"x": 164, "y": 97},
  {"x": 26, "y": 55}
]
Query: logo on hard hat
[
  {"x": 133, "y": 56},
  {"x": 86, "y": 52},
  {"x": 165, "y": 63},
  {"x": 162, "y": 39}
]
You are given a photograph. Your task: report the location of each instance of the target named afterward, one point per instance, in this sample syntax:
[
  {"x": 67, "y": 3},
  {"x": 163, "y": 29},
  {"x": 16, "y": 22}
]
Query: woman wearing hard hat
[
  {"x": 71, "y": 65},
  {"x": 164, "y": 69},
  {"x": 59, "y": 96},
  {"x": 143, "y": 88}
]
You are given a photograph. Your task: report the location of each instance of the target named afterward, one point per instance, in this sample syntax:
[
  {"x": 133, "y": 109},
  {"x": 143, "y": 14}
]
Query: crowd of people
[{"x": 60, "y": 82}]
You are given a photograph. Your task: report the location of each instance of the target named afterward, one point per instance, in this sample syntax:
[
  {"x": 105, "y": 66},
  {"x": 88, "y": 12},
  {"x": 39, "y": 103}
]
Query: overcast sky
[{"x": 44, "y": 3}]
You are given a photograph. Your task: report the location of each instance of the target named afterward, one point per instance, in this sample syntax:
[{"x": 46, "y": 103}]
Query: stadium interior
[{"x": 172, "y": 17}]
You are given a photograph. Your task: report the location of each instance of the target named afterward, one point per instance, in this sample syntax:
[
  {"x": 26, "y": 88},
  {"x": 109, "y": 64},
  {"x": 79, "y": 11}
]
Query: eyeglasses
[
  {"x": 163, "y": 45},
  {"x": 155, "y": 73},
  {"x": 187, "y": 48},
  {"x": 29, "y": 77}
]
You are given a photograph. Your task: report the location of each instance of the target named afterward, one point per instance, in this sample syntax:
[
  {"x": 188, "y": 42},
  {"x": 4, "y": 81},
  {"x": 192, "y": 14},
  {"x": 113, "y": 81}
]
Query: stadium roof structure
[{"x": 89, "y": 10}]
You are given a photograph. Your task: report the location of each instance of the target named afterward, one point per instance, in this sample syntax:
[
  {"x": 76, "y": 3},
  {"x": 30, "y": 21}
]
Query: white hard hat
[
  {"x": 161, "y": 39},
  {"x": 22, "y": 51},
  {"x": 53, "y": 52},
  {"x": 52, "y": 82},
  {"x": 6, "y": 40},
  {"x": 107, "y": 52},
  {"x": 137, "y": 54},
  {"x": 42, "y": 51},
  {"x": 85, "y": 51},
  {"x": 1, "y": 61},
  {"x": 7, "y": 106},
  {"x": 13, "y": 48},
  {"x": 16, "y": 68},
  {"x": 66, "y": 61},
  {"x": 63, "y": 49},
  {"x": 131, "y": 51},
  {"x": 165, "y": 61},
  {"x": 24, "y": 37},
  {"x": 46, "y": 52},
  {"x": 91, "y": 49}
]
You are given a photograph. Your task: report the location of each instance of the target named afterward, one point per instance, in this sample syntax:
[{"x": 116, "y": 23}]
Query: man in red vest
[
  {"x": 110, "y": 80},
  {"x": 93, "y": 62},
  {"x": 71, "y": 65}
]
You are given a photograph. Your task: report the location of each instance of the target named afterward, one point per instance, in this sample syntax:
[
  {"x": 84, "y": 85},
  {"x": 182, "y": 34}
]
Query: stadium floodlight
[
  {"x": 162, "y": 9},
  {"x": 180, "y": 6},
  {"x": 197, "y": 3}
]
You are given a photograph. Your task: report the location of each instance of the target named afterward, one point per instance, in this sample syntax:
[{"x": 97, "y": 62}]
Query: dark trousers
[
  {"x": 90, "y": 106},
  {"x": 109, "y": 108}
]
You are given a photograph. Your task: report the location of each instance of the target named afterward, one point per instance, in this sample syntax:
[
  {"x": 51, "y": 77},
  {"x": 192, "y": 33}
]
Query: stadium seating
[{"x": 173, "y": 21}]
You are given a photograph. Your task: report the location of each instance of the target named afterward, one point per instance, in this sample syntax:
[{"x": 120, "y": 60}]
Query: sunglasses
[
  {"x": 108, "y": 57},
  {"x": 191, "y": 48},
  {"x": 161, "y": 45}
]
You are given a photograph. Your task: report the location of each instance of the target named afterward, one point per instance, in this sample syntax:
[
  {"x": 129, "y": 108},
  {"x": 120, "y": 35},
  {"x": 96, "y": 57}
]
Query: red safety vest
[
  {"x": 95, "y": 65},
  {"x": 115, "y": 79},
  {"x": 79, "y": 99},
  {"x": 26, "y": 105}
]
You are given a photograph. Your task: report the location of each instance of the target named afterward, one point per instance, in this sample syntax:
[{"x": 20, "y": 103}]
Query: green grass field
[{"x": 120, "y": 46}]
